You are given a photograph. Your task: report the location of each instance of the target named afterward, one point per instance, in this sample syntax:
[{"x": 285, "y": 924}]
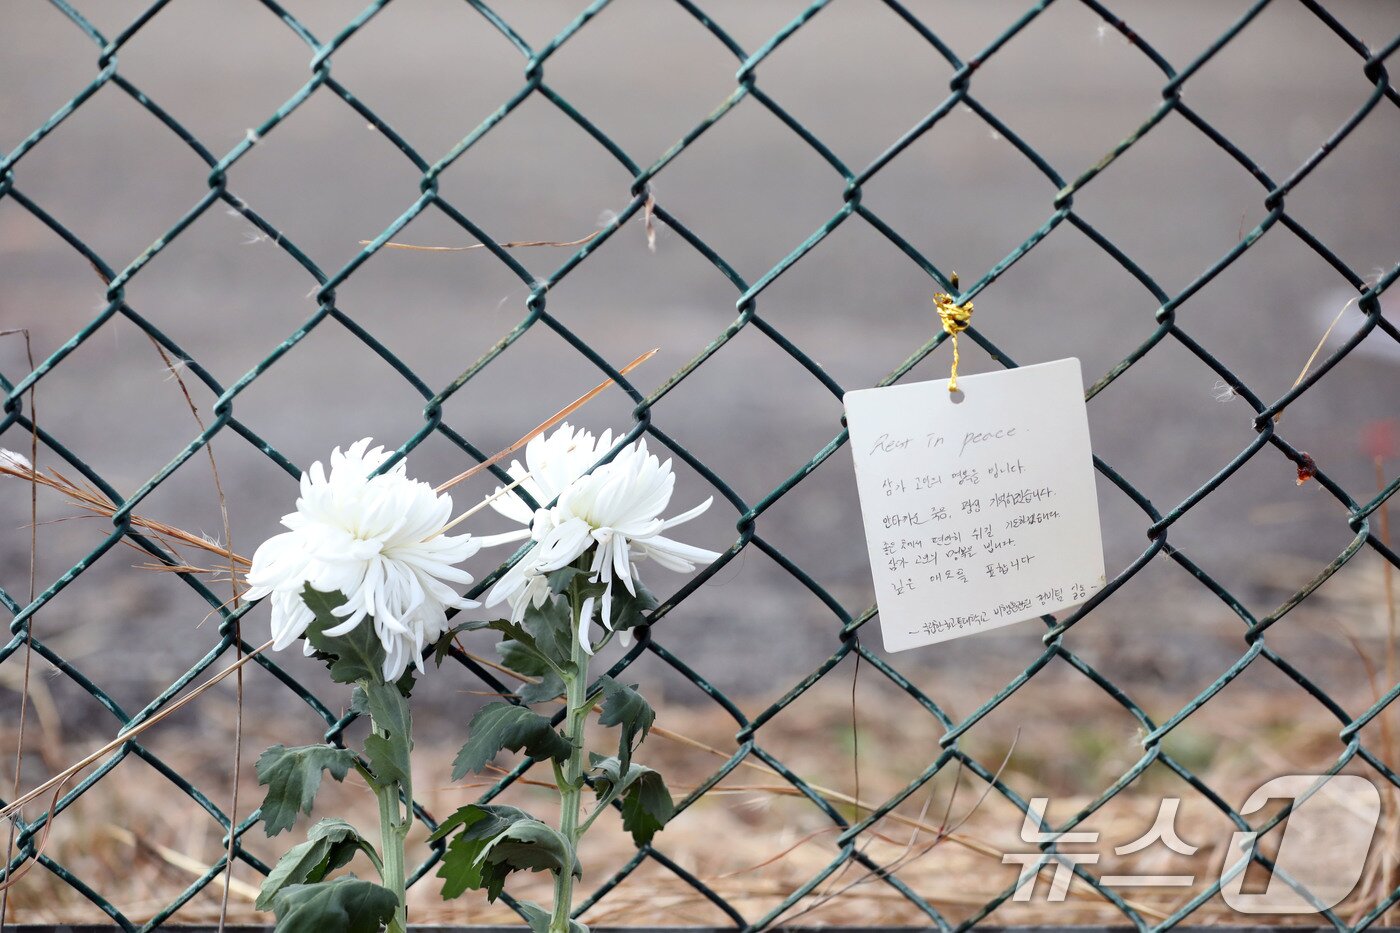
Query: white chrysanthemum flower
[
  {"x": 616, "y": 511},
  {"x": 551, "y": 464},
  {"x": 374, "y": 539}
]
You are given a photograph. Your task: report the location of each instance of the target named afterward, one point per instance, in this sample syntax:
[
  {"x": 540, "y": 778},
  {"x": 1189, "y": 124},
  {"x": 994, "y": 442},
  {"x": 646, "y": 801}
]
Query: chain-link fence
[{"x": 645, "y": 209}]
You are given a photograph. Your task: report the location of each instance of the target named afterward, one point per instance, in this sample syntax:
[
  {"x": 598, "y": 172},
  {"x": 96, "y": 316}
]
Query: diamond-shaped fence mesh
[{"x": 1159, "y": 331}]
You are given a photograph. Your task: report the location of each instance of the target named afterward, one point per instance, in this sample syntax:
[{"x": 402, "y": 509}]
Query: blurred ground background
[{"x": 645, "y": 72}]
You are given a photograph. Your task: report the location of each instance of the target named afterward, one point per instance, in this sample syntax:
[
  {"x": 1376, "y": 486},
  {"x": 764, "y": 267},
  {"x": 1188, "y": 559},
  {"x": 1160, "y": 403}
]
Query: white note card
[{"x": 978, "y": 512}]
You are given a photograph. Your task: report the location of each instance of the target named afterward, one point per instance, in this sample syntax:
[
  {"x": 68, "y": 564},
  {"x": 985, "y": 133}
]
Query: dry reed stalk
[
  {"x": 93, "y": 501},
  {"x": 548, "y": 423},
  {"x": 58, "y": 780},
  {"x": 29, "y": 628},
  {"x": 237, "y": 626}
]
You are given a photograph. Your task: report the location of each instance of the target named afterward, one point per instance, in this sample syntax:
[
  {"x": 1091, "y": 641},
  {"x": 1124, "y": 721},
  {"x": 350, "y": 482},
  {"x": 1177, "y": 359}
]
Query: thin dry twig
[
  {"x": 548, "y": 423},
  {"x": 127, "y": 735},
  {"x": 1307, "y": 367},
  {"x": 91, "y": 500},
  {"x": 237, "y": 626}
]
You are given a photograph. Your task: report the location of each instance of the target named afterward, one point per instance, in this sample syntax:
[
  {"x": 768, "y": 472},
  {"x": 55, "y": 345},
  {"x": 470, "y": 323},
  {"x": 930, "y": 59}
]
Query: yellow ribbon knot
[{"x": 955, "y": 318}]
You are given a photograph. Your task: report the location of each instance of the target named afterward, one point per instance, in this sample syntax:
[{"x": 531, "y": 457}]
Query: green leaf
[
  {"x": 461, "y": 868},
  {"x": 538, "y": 918},
  {"x": 576, "y": 580},
  {"x": 530, "y": 844},
  {"x": 294, "y": 867},
  {"x": 355, "y": 656},
  {"x": 525, "y": 660},
  {"x": 551, "y": 628},
  {"x": 493, "y": 842},
  {"x": 505, "y": 626},
  {"x": 646, "y": 806},
  {"x": 561, "y": 579},
  {"x": 333, "y": 829},
  {"x": 346, "y": 905},
  {"x": 646, "y": 803},
  {"x": 329, "y": 845},
  {"x": 388, "y": 756},
  {"x": 629, "y": 611},
  {"x": 292, "y": 776},
  {"x": 387, "y": 761},
  {"x": 623, "y": 706},
  {"x": 479, "y": 820},
  {"x": 548, "y": 688},
  {"x": 504, "y": 725},
  {"x": 522, "y": 657},
  {"x": 444, "y": 643}
]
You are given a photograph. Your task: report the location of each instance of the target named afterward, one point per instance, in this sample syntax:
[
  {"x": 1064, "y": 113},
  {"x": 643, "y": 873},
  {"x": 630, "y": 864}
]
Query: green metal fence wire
[{"x": 846, "y": 625}]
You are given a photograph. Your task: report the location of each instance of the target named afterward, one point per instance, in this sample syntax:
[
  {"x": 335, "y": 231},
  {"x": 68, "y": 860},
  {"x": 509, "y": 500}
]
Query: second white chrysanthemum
[
  {"x": 376, "y": 539},
  {"x": 615, "y": 511}
]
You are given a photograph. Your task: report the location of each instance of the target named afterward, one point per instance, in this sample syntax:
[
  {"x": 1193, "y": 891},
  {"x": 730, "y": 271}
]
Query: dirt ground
[{"x": 752, "y": 838}]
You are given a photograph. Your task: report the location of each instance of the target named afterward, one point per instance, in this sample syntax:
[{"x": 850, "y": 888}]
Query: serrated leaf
[
  {"x": 461, "y": 868},
  {"x": 505, "y": 626},
  {"x": 551, "y": 629},
  {"x": 531, "y": 845},
  {"x": 524, "y": 659},
  {"x": 561, "y": 579},
  {"x": 443, "y": 645},
  {"x": 623, "y": 706},
  {"x": 346, "y": 905},
  {"x": 479, "y": 820},
  {"x": 538, "y": 918},
  {"x": 576, "y": 580},
  {"x": 344, "y": 842},
  {"x": 464, "y": 866},
  {"x": 388, "y": 755},
  {"x": 333, "y": 829},
  {"x": 329, "y": 845},
  {"x": 504, "y": 725},
  {"x": 294, "y": 867},
  {"x": 355, "y": 656},
  {"x": 548, "y": 688},
  {"x": 386, "y": 761},
  {"x": 629, "y": 611},
  {"x": 292, "y": 776},
  {"x": 607, "y": 774},
  {"x": 646, "y": 805}
]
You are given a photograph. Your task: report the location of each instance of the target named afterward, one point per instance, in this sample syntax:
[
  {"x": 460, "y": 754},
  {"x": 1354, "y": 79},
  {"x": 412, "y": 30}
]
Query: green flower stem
[
  {"x": 571, "y": 788},
  {"x": 394, "y": 822}
]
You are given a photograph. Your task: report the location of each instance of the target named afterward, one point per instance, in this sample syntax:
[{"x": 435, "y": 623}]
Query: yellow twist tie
[{"x": 955, "y": 318}]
